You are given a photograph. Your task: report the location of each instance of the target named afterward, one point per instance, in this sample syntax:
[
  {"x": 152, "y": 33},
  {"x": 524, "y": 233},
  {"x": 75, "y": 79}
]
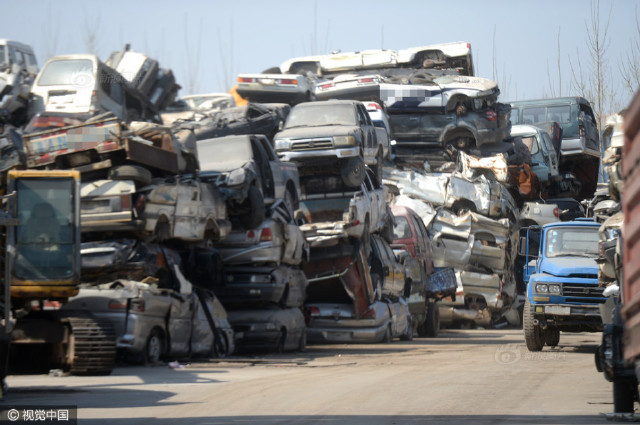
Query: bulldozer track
[{"x": 92, "y": 347}]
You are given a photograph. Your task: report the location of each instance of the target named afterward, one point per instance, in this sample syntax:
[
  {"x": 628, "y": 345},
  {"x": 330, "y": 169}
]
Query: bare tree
[
  {"x": 193, "y": 57},
  {"x": 92, "y": 33},
  {"x": 630, "y": 66}
]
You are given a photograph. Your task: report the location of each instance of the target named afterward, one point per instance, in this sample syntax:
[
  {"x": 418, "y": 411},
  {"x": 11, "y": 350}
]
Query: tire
[
  {"x": 533, "y": 335},
  {"x": 255, "y": 209},
  {"x": 623, "y": 395},
  {"x": 432, "y": 321},
  {"x": 291, "y": 199},
  {"x": 280, "y": 345},
  {"x": 552, "y": 337},
  {"x": 386, "y": 339},
  {"x": 154, "y": 348},
  {"x": 302, "y": 343},
  {"x": 220, "y": 345},
  {"x": 353, "y": 171},
  {"x": 141, "y": 176}
]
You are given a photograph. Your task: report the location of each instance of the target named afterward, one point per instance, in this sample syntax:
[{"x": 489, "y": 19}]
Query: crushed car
[
  {"x": 269, "y": 329},
  {"x": 249, "y": 174}
]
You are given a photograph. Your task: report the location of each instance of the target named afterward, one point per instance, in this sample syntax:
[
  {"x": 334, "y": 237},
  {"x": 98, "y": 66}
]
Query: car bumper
[
  {"x": 333, "y": 332},
  {"x": 265, "y": 94},
  {"x": 570, "y": 147},
  {"x": 347, "y": 152},
  {"x": 368, "y": 92}
]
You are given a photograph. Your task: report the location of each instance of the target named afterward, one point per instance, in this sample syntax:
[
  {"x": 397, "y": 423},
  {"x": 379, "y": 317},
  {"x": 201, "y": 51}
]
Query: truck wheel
[
  {"x": 291, "y": 199},
  {"x": 552, "y": 337},
  {"x": 140, "y": 175},
  {"x": 533, "y": 335},
  {"x": 220, "y": 345},
  {"x": 255, "y": 209},
  {"x": 623, "y": 394},
  {"x": 154, "y": 348},
  {"x": 432, "y": 321},
  {"x": 353, "y": 172}
]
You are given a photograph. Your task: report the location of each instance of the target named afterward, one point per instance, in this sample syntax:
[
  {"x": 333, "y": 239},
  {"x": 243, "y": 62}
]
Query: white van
[
  {"x": 16, "y": 53},
  {"x": 82, "y": 85}
]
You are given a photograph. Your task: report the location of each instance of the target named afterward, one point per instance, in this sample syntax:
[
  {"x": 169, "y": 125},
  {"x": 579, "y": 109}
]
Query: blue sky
[{"x": 207, "y": 43}]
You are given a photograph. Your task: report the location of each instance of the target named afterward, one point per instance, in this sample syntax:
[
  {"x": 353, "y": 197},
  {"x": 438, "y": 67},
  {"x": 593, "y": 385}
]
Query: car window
[
  {"x": 514, "y": 116},
  {"x": 363, "y": 116},
  {"x": 588, "y": 112},
  {"x": 533, "y": 115},
  {"x": 560, "y": 114},
  {"x": 547, "y": 142},
  {"x": 3, "y": 56},
  {"x": 401, "y": 228}
]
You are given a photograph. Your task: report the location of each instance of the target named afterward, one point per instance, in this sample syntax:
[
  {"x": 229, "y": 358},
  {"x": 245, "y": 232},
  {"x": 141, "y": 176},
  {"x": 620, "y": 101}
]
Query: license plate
[
  {"x": 267, "y": 81},
  {"x": 558, "y": 310},
  {"x": 57, "y": 100}
]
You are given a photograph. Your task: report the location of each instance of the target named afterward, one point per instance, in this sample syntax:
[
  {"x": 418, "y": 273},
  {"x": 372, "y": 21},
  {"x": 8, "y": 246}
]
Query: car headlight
[
  {"x": 236, "y": 177},
  {"x": 554, "y": 288},
  {"x": 344, "y": 140},
  {"x": 542, "y": 288},
  {"x": 282, "y": 144}
]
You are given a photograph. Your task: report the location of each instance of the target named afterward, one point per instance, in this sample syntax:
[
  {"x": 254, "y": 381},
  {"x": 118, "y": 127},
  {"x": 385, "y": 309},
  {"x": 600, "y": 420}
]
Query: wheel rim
[{"x": 154, "y": 347}]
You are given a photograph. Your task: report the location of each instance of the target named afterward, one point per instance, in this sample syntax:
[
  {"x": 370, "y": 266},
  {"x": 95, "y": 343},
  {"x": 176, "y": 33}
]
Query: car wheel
[
  {"x": 552, "y": 337},
  {"x": 353, "y": 171},
  {"x": 533, "y": 335},
  {"x": 220, "y": 345},
  {"x": 623, "y": 395},
  {"x": 432, "y": 321},
  {"x": 154, "y": 348},
  {"x": 387, "y": 335},
  {"x": 141, "y": 176},
  {"x": 255, "y": 209},
  {"x": 302, "y": 343},
  {"x": 280, "y": 345}
]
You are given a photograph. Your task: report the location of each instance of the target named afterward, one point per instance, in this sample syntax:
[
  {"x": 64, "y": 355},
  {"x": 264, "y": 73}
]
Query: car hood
[
  {"x": 316, "y": 132},
  {"x": 567, "y": 266}
]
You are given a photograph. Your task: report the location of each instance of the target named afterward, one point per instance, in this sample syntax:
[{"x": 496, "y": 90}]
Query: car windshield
[
  {"x": 572, "y": 242},
  {"x": 224, "y": 154},
  {"x": 67, "y": 72},
  {"x": 321, "y": 114}
]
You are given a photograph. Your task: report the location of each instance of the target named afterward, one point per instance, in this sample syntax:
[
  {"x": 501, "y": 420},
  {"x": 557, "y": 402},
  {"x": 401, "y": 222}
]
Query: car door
[
  {"x": 264, "y": 168},
  {"x": 277, "y": 170},
  {"x": 188, "y": 216},
  {"x": 372, "y": 198},
  {"x": 368, "y": 132},
  {"x": 547, "y": 146}
]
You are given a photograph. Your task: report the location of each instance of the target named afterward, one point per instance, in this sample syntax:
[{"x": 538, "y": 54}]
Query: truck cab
[{"x": 562, "y": 281}]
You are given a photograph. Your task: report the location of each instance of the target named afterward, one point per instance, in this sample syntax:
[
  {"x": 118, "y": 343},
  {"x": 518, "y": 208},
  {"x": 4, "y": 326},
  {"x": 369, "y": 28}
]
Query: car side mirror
[{"x": 522, "y": 246}]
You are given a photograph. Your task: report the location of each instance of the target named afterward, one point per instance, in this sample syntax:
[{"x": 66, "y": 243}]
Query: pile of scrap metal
[{"x": 473, "y": 226}]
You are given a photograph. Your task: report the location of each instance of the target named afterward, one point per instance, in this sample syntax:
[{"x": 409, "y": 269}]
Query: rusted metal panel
[{"x": 631, "y": 230}]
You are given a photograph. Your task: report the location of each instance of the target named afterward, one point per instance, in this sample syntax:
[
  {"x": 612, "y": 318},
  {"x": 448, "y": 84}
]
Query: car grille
[
  {"x": 582, "y": 291},
  {"x": 305, "y": 145}
]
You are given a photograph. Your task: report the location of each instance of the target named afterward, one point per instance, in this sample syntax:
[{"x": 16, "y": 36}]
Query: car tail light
[
  {"x": 289, "y": 81},
  {"x": 327, "y": 86},
  {"x": 556, "y": 212},
  {"x": 136, "y": 304},
  {"x": 245, "y": 80},
  {"x": 117, "y": 305},
  {"x": 369, "y": 314},
  {"x": 373, "y": 105},
  {"x": 48, "y": 122},
  {"x": 365, "y": 80},
  {"x": 266, "y": 235},
  {"x": 491, "y": 116},
  {"x": 314, "y": 311},
  {"x": 251, "y": 234}
]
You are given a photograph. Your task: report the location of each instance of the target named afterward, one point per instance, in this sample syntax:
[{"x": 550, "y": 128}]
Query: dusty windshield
[
  {"x": 224, "y": 154},
  {"x": 530, "y": 142},
  {"x": 45, "y": 236},
  {"x": 321, "y": 114},
  {"x": 572, "y": 242},
  {"x": 66, "y": 72}
]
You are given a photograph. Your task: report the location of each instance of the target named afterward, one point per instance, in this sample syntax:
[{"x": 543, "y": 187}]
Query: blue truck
[{"x": 562, "y": 281}]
